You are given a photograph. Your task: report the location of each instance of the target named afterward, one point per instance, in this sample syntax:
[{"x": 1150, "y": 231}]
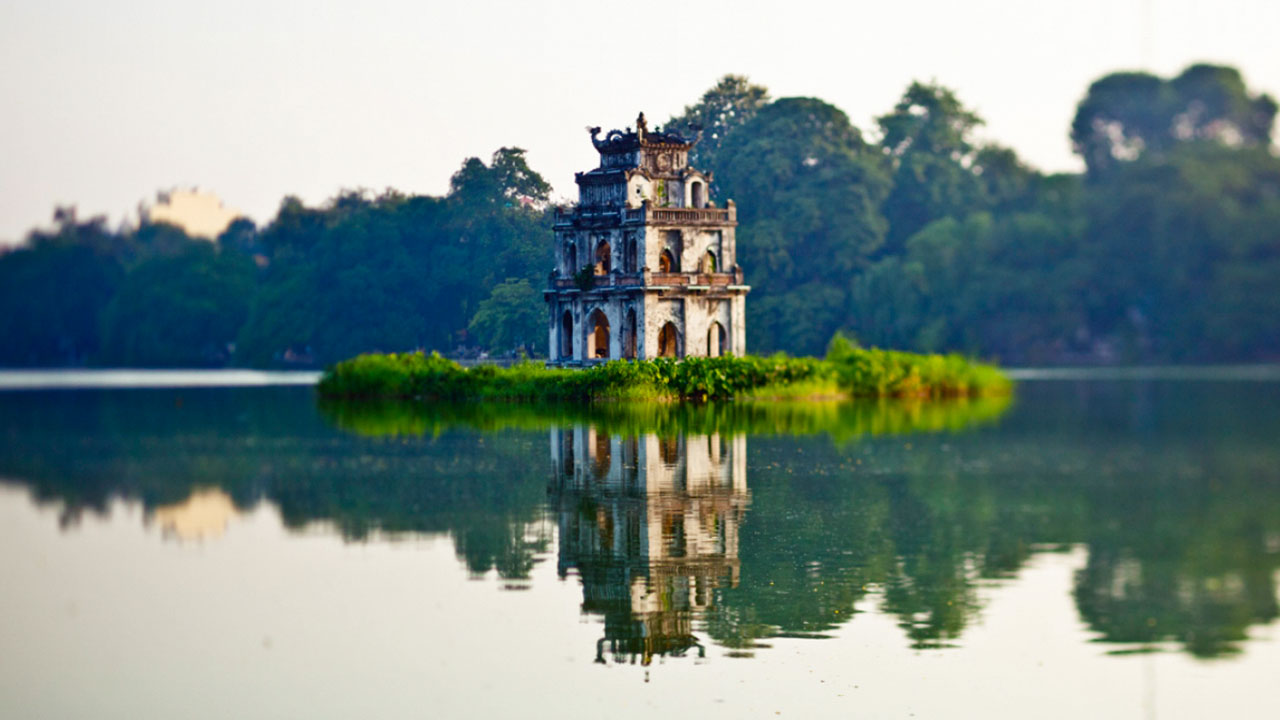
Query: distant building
[
  {"x": 646, "y": 264},
  {"x": 199, "y": 214}
]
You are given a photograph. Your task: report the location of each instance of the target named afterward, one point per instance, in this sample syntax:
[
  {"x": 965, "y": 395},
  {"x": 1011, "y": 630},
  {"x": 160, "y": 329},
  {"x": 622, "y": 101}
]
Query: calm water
[{"x": 1096, "y": 548}]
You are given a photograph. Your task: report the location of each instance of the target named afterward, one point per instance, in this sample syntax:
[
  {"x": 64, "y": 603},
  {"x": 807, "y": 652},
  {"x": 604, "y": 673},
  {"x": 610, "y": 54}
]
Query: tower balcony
[
  {"x": 688, "y": 280},
  {"x": 646, "y": 214}
]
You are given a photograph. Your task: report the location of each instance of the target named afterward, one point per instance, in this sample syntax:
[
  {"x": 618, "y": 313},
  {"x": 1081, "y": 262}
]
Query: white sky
[{"x": 104, "y": 102}]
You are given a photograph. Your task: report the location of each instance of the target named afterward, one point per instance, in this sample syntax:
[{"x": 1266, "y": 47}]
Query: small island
[{"x": 847, "y": 371}]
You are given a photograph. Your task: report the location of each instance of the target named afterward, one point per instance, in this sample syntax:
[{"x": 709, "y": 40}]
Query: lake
[{"x": 1097, "y": 546}]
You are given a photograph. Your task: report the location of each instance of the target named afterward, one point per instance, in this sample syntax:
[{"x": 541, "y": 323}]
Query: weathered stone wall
[
  {"x": 659, "y": 311},
  {"x": 700, "y": 313},
  {"x": 738, "y": 324}
]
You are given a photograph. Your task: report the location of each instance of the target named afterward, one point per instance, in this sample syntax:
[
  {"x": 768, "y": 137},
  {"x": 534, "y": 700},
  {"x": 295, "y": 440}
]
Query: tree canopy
[{"x": 917, "y": 235}]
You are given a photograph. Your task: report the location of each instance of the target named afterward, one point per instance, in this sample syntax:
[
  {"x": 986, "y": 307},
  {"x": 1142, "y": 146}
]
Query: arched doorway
[
  {"x": 604, "y": 258},
  {"x": 629, "y": 335},
  {"x": 708, "y": 264},
  {"x": 715, "y": 340},
  {"x": 698, "y": 199},
  {"x": 571, "y": 257},
  {"x": 666, "y": 262},
  {"x": 598, "y": 336},
  {"x": 669, "y": 341},
  {"x": 566, "y": 335}
]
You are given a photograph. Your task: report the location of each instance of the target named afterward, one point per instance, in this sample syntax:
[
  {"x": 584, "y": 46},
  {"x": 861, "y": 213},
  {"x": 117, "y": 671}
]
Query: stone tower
[{"x": 646, "y": 264}]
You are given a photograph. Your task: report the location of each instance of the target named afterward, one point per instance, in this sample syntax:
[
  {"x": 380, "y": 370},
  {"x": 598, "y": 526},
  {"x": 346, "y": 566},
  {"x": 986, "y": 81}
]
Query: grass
[{"x": 847, "y": 371}]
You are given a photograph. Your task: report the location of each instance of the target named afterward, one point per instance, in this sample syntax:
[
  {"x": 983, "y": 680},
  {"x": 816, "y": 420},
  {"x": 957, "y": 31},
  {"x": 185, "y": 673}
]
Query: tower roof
[{"x": 618, "y": 141}]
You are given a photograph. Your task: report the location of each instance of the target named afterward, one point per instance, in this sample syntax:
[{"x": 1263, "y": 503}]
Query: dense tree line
[
  {"x": 1166, "y": 249},
  {"x": 314, "y": 285},
  {"x": 913, "y": 235}
]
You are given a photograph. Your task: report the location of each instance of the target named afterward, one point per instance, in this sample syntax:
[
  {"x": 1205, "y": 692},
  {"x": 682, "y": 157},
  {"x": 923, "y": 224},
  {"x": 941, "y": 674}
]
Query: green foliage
[
  {"x": 1131, "y": 115},
  {"x": 726, "y": 106},
  {"x": 395, "y": 273},
  {"x": 511, "y": 317},
  {"x": 585, "y": 278},
  {"x": 1166, "y": 250},
  {"x": 180, "y": 311},
  {"x": 809, "y": 189},
  {"x": 851, "y": 372},
  {"x": 52, "y": 290},
  {"x": 927, "y": 138}
]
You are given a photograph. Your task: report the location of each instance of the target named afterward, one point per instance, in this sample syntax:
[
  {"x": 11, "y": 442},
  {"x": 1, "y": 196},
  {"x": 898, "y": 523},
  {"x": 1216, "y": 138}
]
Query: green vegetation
[
  {"x": 915, "y": 235},
  {"x": 846, "y": 372}
]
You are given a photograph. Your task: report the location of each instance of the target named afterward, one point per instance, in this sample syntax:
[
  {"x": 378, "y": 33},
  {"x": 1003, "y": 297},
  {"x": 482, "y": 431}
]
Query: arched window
[
  {"x": 716, "y": 340},
  {"x": 669, "y": 341},
  {"x": 566, "y": 335},
  {"x": 598, "y": 336},
  {"x": 699, "y": 199},
  {"x": 604, "y": 258}
]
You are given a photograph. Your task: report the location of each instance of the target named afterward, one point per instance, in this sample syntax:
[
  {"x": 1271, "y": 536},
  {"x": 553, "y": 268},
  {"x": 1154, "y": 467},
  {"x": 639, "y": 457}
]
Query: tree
[
  {"x": 927, "y": 138},
  {"x": 809, "y": 189},
  {"x": 182, "y": 310},
  {"x": 726, "y": 106},
  {"x": 53, "y": 289},
  {"x": 1131, "y": 115},
  {"x": 396, "y": 273},
  {"x": 512, "y": 317}
]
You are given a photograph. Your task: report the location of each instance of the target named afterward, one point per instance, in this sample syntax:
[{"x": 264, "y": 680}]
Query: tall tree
[
  {"x": 809, "y": 189},
  {"x": 927, "y": 138},
  {"x": 726, "y": 106},
  {"x": 53, "y": 289},
  {"x": 393, "y": 272},
  {"x": 1129, "y": 115}
]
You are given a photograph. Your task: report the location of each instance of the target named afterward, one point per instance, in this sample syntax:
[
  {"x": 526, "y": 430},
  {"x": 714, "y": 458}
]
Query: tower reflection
[{"x": 651, "y": 524}]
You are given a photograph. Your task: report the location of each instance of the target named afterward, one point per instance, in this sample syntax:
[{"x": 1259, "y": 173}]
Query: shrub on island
[{"x": 846, "y": 371}]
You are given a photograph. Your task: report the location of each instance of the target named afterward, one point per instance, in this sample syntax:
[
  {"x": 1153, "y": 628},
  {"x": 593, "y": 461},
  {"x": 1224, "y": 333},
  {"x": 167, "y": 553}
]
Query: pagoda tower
[{"x": 646, "y": 264}]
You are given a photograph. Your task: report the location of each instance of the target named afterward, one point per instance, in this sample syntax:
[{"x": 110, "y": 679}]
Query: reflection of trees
[
  {"x": 1187, "y": 565},
  {"x": 83, "y": 449},
  {"x": 843, "y": 421},
  {"x": 1179, "y": 513},
  {"x": 651, "y": 525},
  {"x": 1173, "y": 496}
]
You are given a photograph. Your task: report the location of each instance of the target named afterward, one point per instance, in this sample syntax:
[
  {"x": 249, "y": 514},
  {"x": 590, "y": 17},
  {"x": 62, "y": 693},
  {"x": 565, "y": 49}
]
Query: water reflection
[
  {"x": 912, "y": 510},
  {"x": 650, "y": 523}
]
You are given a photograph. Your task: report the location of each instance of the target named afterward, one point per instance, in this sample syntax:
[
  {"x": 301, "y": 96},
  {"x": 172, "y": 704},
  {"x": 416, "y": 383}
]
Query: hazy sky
[{"x": 104, "y": 102}]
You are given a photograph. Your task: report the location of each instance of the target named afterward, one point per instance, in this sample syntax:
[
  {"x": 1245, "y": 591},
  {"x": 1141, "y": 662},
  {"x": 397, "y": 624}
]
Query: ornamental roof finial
[{"x": 642, "y": 126}]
